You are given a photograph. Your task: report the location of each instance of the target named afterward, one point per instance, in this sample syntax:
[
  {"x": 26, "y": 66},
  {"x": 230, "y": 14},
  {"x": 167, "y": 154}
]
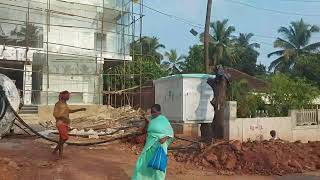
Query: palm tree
[
  {"x": 27, "y": 36},
  {"x": 243, "y": 40},
  {"x": 220, "y": 42},
  {"x": 174, "y": 62},
  {"x": 3, "y": 36},
  {"x": 245, "y": 53},
  {"x": 295, "y": 42},
  {"x": 150, "y": 47}
]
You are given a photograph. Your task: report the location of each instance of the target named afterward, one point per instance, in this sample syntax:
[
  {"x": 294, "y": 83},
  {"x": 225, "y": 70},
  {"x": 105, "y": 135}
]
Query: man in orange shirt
[{"x": 61, "y": 114}]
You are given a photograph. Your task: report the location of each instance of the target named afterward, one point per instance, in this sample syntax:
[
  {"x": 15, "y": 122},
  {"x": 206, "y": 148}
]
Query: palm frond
[
  {"x": 312, "y": 47},
  {"x": 281, "y": 43},
  {"x": 275, "y": 63},
  {"x": 181, "y": 57},
  {"x": 278, "y": 53},
  {"x": 314, "y": 29},
  {"x": 254, "y": 45}
]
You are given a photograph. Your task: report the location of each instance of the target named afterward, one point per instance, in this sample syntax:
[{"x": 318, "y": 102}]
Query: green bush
[{"x": 287, "y": 93}]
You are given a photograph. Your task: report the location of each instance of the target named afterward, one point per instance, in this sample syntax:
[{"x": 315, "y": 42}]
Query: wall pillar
[
  {"x": 231, "y": 129},
  {"x": 27, "y": 84}
]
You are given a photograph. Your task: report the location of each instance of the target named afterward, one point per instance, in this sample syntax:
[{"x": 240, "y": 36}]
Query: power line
[
  {"x": 270, "y": 10},
  {"x": 298, "y": 1},
  {"x": 183, "y": 20},
  {"x": 201, "y": 26}
]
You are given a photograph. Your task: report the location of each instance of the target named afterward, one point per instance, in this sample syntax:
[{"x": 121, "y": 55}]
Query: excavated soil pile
[
  {"x": 263, "y": 158},
  {"x": 8, "y": 169}
]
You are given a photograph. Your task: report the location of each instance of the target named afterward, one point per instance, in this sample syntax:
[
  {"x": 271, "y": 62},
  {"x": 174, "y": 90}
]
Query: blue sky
[{"x": 176, "y": 35}]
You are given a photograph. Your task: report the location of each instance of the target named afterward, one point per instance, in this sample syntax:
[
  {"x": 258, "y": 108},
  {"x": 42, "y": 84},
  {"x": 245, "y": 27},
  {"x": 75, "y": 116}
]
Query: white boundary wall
[{"x": 259, "y": 128}]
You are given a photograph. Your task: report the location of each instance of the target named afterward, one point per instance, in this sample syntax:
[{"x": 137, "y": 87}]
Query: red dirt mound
[{"x": 265, "y": 158}]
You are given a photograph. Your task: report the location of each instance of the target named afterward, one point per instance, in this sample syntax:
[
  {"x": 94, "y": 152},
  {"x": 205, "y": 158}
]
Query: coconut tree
[
  {"x": 244, "y": 39},
  {"x": 295, "y": 41},
  {"x": 220, "y": 47},
  {"x": 3, "y": 36},
  {"x": 28, "y": 35},
  {"x": 149, "y": 47},
  {"x": 220, "y": 52},
  {"x": 245, "y": 53},
  {"x": 173, "y": 62}
]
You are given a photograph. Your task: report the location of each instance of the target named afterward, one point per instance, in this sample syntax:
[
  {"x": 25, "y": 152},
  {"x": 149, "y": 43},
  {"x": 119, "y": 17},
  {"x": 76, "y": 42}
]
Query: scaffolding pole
[{"x": 55, "y": 20}]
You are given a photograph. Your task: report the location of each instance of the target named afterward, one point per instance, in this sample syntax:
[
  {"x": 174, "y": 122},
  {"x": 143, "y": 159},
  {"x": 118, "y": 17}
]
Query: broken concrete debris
[{"x": 106, "y": 122}]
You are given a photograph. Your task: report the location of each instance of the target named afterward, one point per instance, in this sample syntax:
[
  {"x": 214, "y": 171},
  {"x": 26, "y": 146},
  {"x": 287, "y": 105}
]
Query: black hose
[
  {"x": 188, "y": 140},
  {"x": 22, "y": 128},
  {"x": 3, "y": 104},
  {"x": 19, "y": 119},
  {"x": 72, "y": 143}
]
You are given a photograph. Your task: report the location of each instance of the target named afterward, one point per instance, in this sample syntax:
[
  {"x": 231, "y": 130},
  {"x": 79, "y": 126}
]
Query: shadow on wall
[{"x": 201, "y": 111}]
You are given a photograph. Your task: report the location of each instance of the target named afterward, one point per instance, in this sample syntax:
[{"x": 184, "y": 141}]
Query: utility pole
[
  {"x": 206, "y": 131},
  {"x": 206, "y": 37}
]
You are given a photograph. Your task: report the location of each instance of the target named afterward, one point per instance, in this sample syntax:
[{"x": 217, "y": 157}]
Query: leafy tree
[
  {"x": 237, "y": 89},
  {"x": 146, "y": 64},
  {"x": 295, "y": 42},
  {"x": 260, "y": 70},
  {"x": 174, "y": 62},
  {"x": 149, "y": 47},
  {"x": 129, "y": 74},
  {"x": 220, "y": 43},
  {"x": 308, "y": 66},
  {"x": 286, "y": 93},
  {"x": 248, "y": 102},
  {"x": 194, "y": 60}
]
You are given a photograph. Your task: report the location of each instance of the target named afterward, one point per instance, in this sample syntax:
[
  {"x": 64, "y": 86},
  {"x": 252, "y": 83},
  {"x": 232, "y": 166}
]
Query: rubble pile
[
  {"x": 107, "y": 121},
  {"x": 107, "y": 117},
  {"x": 263, "y": 158}
]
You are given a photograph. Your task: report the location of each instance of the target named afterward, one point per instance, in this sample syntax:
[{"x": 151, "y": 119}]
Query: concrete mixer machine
[{"x": 9, "y": 90}]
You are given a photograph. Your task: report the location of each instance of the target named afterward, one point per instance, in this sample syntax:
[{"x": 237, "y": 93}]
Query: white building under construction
[{"x": 47, "y": 46}]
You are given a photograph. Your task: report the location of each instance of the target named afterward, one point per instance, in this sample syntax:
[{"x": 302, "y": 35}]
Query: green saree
[{"x": 158, "y": 128}]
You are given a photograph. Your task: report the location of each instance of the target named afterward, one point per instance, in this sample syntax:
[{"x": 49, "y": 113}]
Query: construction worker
[{"x": 61, "y": 114}]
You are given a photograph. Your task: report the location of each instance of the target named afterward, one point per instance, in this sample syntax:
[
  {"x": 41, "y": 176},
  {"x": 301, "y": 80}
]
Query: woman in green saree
[{"x": 159, "y": 132}]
